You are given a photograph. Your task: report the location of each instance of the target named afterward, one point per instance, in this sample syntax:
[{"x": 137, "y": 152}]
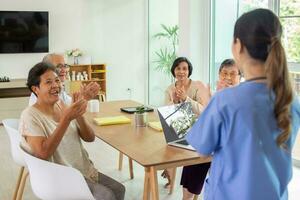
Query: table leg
[
  {"x": 146, "y": 195},
  {"x": 154, "y": 184}
]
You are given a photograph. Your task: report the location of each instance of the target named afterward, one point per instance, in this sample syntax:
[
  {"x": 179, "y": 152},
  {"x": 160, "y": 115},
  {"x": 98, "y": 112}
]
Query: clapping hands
[
  {"x": 221, "y": 84},
  {"x": 180, "y": 94},
  {"x": 77, "y": 108},
  {"x": 90, "y": 90}
]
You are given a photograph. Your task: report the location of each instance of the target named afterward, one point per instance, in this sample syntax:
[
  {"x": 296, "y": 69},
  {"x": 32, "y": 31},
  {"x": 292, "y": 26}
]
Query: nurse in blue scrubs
[{"x": 250, "y": 129}]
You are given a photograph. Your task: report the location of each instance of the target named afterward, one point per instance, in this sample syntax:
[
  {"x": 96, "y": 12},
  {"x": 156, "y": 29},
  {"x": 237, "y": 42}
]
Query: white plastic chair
[
  {"x": 11, "y": 127},
  {"x": 51, "y": 181}
]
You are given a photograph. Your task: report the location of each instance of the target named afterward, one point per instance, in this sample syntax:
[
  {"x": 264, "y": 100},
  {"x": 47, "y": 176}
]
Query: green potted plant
[
  {"x": 140, "y": 116},
  {"x": 167, "y": 54}
]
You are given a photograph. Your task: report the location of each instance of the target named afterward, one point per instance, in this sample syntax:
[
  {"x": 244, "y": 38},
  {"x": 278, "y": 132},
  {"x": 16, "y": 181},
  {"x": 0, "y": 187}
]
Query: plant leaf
[{"x": 167, "y": 54}]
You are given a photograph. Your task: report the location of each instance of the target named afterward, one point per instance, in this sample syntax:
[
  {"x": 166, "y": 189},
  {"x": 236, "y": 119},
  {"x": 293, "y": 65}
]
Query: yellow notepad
[
  {"x": 155, "y": 125},
  {"x": 102, "y": 121}
]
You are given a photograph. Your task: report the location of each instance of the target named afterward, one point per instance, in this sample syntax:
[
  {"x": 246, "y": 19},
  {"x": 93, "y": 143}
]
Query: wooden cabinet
[
  {"x": 95, "y": 72},
  {"x": 12, "y": 107},
  {"x": 14, "y": 88},
  {"x": 14, "y": 98}
]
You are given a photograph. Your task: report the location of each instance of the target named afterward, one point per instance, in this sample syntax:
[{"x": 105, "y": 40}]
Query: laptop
[{"x": 176, "y": 120}]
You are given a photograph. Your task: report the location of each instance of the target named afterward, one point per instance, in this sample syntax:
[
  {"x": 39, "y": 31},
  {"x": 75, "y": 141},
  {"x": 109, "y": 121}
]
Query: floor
[{"x": 105, "y": 159}]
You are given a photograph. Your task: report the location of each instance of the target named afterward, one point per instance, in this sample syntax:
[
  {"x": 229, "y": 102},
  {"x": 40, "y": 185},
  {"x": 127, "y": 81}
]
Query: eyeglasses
[
  {"x": 232, "y": 75},
  {"x": 60, "y": 66}
]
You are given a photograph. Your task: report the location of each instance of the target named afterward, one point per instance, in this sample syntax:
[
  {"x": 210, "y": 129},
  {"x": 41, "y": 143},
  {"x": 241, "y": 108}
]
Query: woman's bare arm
[
  {"x": 85, "y": 131},
  {"x": 44, "y": 147}
]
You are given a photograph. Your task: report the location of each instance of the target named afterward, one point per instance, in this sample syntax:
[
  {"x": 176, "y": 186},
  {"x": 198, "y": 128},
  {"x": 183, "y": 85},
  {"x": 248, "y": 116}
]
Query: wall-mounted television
[{"x": 24, "y": 32}]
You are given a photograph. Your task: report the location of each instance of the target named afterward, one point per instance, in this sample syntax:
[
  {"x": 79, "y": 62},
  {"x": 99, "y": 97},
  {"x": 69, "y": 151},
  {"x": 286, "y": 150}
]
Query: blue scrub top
[{"x": 239, "y": 129}]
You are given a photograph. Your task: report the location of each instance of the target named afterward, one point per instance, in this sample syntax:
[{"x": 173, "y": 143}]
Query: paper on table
[
  {"x": 155, "y": 125},
  {"x": 102, "y": 121}
]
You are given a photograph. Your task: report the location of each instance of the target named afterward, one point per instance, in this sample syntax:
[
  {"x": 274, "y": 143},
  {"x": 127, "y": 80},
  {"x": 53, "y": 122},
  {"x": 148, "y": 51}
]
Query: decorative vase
[
  {"x": 76, "y": 60},
  {"x": 140, "y": 119}
]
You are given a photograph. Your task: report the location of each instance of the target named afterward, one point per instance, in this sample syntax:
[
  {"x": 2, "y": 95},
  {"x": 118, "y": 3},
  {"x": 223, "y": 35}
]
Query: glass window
[
  {"x": 291, "y": 28},
  {"x": 291, "y": 38},
  {"x": 289, "y": 14},
  {"x": 175, "y": 29},
  {"x": 247, "y": 5},
  {"x": 163, "y": 45},
  {"x": 289, "y": 8},
  {"x": 223, "y": 21},
  {"x": 222, "y": 34}
]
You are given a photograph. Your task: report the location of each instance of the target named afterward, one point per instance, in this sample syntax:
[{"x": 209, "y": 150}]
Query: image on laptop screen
[{"x": 179, "y": 116}]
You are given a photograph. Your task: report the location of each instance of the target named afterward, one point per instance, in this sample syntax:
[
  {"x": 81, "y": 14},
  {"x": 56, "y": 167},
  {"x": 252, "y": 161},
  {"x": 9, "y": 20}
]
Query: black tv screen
[{"x": 23, "y": 32}]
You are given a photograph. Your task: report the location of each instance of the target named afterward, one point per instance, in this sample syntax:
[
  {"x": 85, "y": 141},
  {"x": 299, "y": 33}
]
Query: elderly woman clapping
[{"x": 53, "y": 131}]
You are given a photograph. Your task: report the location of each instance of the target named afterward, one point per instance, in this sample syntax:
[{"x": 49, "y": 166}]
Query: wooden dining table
[{"x": 144, "y": 145}]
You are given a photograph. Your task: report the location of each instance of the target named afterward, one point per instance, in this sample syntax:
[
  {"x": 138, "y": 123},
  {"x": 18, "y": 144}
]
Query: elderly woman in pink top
[{"x": 186, "y": 90}]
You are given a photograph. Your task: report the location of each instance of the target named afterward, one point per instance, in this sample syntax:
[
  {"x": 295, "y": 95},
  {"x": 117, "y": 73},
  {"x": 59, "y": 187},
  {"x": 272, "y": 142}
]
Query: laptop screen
[{"x": 179, "y": 117}]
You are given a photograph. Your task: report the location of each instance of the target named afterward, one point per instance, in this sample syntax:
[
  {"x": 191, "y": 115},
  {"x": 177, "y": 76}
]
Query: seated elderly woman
[
  {"x": 53, "y": 131},
  {"x": 186, "y": 90},
  {"x": 229, "y": 74}
]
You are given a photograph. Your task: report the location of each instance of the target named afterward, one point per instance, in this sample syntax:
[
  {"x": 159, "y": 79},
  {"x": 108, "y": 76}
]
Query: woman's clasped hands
[
  {"x": 77, "y": 108},
  {"x": 180, "y": 94}
]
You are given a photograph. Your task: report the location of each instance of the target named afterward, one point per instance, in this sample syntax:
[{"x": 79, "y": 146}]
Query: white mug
[{"x": 93, "y": 105}]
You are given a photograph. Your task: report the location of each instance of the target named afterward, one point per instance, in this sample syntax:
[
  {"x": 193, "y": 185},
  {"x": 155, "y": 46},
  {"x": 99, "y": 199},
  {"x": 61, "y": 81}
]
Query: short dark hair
[
  {"x": 226, "y": 63},
  {"x": 179, "y": 60},
  {"x": 35, "y": 73}
]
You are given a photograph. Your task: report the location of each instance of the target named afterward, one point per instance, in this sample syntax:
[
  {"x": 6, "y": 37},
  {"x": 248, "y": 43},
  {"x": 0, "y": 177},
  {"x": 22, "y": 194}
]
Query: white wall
[
  {"x": 120, "y": 31},
  {"x": 112, "y": 32},
  {"x": 65, "y": 22},
  {"x": 194, "y": 35}
]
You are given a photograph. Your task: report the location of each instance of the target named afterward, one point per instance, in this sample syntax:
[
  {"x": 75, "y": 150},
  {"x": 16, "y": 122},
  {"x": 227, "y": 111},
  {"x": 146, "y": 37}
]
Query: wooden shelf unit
[{"x": 96, "y": 73}]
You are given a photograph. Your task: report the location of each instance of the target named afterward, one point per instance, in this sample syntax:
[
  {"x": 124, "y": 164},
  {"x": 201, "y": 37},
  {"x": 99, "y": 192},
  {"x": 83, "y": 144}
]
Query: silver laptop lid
[{"x": 176, "y": 120}]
